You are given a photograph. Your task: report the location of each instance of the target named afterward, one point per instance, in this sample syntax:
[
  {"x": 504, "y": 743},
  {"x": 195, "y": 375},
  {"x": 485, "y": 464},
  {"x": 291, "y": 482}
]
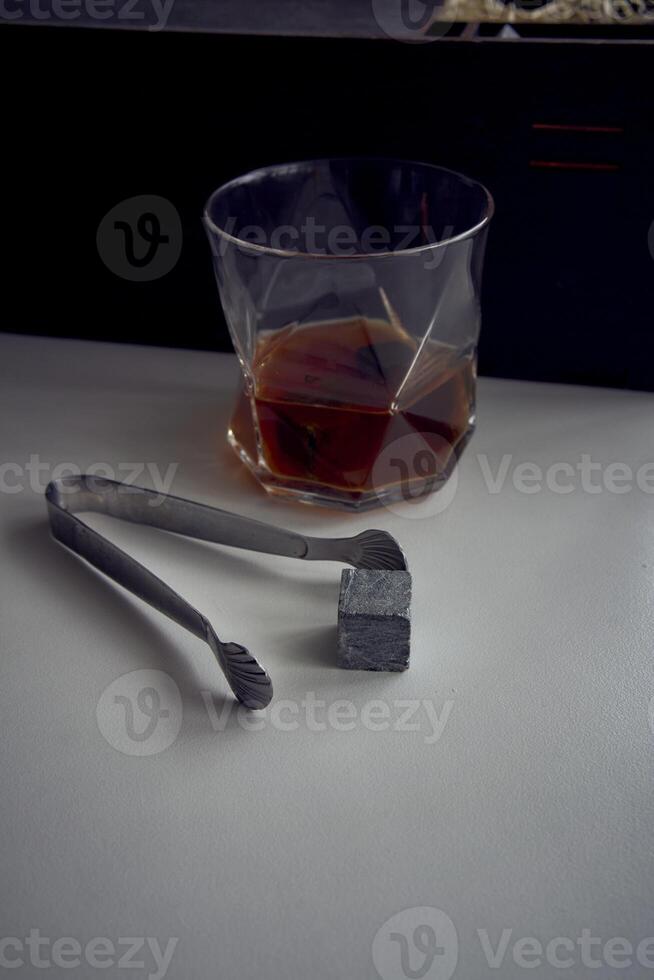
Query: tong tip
[
  {"x": 378, "y": 549},
  {"x": 247, "y": 678}
]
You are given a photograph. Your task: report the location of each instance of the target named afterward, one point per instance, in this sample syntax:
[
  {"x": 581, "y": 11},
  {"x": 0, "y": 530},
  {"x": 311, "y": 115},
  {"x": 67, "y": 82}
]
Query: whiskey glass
[{"x": 351, "y": 288}]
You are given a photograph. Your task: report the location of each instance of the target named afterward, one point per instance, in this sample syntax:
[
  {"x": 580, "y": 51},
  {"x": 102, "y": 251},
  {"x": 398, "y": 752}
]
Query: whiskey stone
[{"x": 374, "y": 619}]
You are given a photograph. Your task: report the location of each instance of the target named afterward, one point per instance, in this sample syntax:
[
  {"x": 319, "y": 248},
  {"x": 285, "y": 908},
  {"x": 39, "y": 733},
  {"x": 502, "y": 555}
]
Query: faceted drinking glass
[{"x": 351, "y": 291}]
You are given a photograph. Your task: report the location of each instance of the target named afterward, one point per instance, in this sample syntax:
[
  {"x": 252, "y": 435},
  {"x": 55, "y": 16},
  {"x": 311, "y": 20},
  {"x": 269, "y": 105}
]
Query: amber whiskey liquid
[{"x": 328, "y": 399}]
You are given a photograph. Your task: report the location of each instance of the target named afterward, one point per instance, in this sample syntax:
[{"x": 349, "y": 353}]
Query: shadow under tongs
[
  {"x": 316, "y": 646},
  {"x": 85, "y": 595}
]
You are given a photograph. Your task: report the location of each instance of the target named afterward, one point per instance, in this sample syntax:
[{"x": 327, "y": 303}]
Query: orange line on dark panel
[
  {"x": 574, "y": 128},
  {"x": 572, "y": 165}
]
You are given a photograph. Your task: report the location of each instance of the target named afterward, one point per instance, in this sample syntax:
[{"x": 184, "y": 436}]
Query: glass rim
[{"x": 271, "y": 169}]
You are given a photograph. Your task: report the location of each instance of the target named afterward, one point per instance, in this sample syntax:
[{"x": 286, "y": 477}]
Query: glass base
[
  {"x": 357, "y": 456},
  {"x": 337, "y": 497}
]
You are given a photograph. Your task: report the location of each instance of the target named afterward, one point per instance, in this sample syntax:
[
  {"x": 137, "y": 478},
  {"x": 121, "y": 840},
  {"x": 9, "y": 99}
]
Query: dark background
[{"x": 91, "y": 117}]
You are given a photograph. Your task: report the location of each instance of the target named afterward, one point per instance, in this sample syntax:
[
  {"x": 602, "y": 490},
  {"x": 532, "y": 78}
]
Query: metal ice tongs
[{"x": 247, "y": 679}]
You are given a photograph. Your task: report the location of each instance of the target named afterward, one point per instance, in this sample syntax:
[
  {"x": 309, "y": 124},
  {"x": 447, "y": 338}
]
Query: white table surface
[{"x": 280, "y": 854}]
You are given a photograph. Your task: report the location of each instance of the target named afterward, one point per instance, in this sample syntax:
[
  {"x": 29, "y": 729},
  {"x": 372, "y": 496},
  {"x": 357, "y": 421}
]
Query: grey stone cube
[{"x": 374, "y": 619}]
